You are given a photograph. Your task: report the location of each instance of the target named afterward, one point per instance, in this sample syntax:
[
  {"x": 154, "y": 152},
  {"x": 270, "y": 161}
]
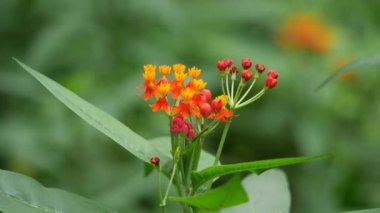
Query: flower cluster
[
  {"x": 180, "y": 126},
  {"x": 184, "y": 94}
]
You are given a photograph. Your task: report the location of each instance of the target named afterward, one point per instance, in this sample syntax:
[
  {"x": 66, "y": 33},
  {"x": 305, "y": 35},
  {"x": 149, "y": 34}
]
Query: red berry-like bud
[
  {"x": 270, "y": 82},
  {"x": 246, "y": 75},
  {"x": 273, "y": 74},
  {"x": 227, "y": 62},
  {"x": 216, "y": 104},
  {"x": 155, "y": 161},
  {"x": 246, "y": 63},
  {"x": 221, "y": 65},
  {"x": 206, "y": 110},
  {"x": 260, "y": 68},
  {"x": 191, "y": 133},
  {"x": 205, "y": 95},
  {"x": 233, "y": 69}
]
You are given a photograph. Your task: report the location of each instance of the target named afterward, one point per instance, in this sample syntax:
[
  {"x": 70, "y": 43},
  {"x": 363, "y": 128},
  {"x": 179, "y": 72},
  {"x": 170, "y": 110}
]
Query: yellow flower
[
  {"x": 187, "y": 94},
  {"x": 164, "y": 70},
  {"x": 194, "y": 72},
  {"x": 163, "y": 89},
  {"x": 198, "y": 84},
  {"x": 179, "y": 68}
]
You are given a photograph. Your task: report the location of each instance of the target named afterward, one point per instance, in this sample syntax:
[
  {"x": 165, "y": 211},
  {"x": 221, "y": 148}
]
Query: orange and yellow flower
[
  {"x": 149, "y": 76},
  {"x": 305, "y": 32}
]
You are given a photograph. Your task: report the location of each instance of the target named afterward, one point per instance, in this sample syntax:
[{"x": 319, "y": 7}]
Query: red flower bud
[
  {"x": 221, "y": 65},
  {"x": 205, "y": 95},
  {"x": 270, "y": 82},
  {"x": 227, "y": 62},
  {"x": 246, "y": 75},
  {"x": 216, "y": 104},
  {"x": 260, "y": 68},
  {"x": 155, "y": 161},
  {"x": 246, "y": 63},
  {"x": 273, "y": 74},
  {"x": 191, "y": 133},
  {"x": 206, "y": 110},
  {"x": 233, "y": 69}
]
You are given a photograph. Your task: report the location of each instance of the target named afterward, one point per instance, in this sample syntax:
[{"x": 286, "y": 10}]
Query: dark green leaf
[
  {"x": 20, "y": 194},
  {"x": 365, "y": 211},
  {"x": 216, "y": 171},
  {"x": 371, "y": 61},
  {"x": 230, "y": 194},
  {"x": 102, "y": 121}
]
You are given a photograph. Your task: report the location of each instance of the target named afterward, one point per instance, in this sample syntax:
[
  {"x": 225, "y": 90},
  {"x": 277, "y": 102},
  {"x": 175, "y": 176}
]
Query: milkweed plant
[{"x": 193, "y": 113}]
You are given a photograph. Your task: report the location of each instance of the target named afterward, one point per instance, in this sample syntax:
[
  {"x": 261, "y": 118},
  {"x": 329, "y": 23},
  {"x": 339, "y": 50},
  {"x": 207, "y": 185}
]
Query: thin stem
[
  {"x": 232, "y": 90},
  {"x": 228, "y": 90},
  {"x": 251, "y": 100},
  {"x": 222, "y": 82},
  {"x": 220, "y": 147},
  {"x": 159, "y": 188},
  {"x": 163, "y": 203},
  {"x": 246, "y": 92}
]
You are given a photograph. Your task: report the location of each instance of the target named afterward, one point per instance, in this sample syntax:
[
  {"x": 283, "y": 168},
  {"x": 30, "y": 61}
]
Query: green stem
[
  {"x": 220, "y": 147},
  {"x": 222, "y": 82},
  {"x": 159, "y": 187},
  {"x": 163, "y": 203}
]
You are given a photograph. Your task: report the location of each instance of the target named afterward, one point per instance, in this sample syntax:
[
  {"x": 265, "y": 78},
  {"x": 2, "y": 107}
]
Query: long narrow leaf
[
  {"x": 216, "y": 171},
  {"x": 230, "y": 194},
  {"x": 99, "y": 119},
  {"x": 371, "y": 61},
  {"x": 21, "y": 194}
]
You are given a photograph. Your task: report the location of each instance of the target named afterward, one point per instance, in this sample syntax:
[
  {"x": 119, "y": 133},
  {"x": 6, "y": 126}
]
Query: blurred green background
[{"x": 98, "y": 48}]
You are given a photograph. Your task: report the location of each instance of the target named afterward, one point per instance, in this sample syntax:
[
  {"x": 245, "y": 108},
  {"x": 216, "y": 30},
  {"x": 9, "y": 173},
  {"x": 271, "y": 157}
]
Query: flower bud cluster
[{"x": 180, "y": 126}]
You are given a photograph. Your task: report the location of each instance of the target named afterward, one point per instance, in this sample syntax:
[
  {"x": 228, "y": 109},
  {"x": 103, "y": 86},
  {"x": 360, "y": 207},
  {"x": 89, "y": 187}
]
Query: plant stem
[
  {"x": 163, "y": 203},
  {"x": 220, "y": 147},
  {"x": 222, "y": 82}
]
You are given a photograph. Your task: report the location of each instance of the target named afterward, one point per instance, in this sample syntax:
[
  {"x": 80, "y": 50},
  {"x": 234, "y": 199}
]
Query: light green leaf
[
  {"x": 20, "y": 194},
  {"x": 99, "y": 119},
  {"x": 267, "y": 192},
  {"x": 365, "y": 211},
  {"x": 370, "y": 61},
  {"x": 216, "y": 171},
  {"x": 230, "y": 194}
]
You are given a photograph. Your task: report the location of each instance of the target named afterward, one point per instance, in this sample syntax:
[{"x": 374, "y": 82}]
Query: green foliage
[
  {"x": 367, "y": 62},
  {"x": 230, "y": 194},
  {"x": 102, "y": 121},
  {"x": 20, "y": 194},
  {"x": 257, "y": 166},
  {"x": 267, "y": 192},
  {"x": 365, "y": 211}
]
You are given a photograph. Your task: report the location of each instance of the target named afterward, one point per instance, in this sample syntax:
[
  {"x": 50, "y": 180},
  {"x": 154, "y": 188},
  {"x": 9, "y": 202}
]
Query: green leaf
[
  {"x": 99, "y": 119},
  {"x": 216, "y": 171},
  {"x": 20, "y": 194},
  {"x": 267, "y": 192},
  {"x": 370, "y": 61},
  {"x": 230, "y": 194},
  {"x": 365, "y": 211}
]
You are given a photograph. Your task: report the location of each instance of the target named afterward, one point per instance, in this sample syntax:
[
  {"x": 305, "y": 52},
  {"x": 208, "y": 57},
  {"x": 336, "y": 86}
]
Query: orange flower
[
  {"x": 149, "y": 76},
  {"x": 178, "y": 84},
  {"x": 187, "y": 105},
  {"x": 305, "y": 32},
  {"x": 162, "y": 102}
]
